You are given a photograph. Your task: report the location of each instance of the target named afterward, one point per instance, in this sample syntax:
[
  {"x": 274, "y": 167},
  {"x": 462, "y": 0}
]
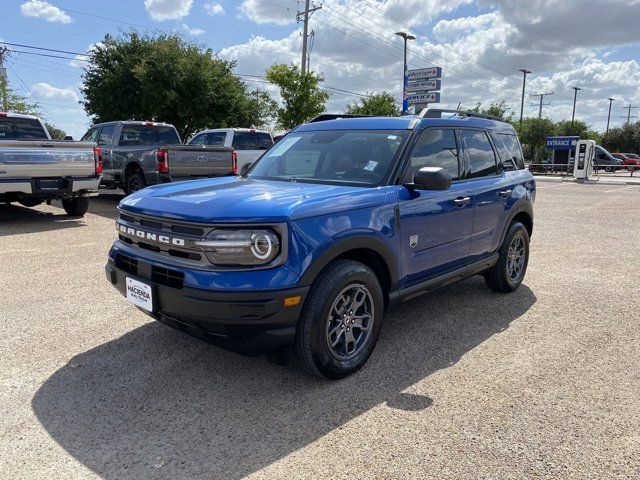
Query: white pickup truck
[
  {"x": 248, "y": 143},
  {"x": 35, "y": 169}
]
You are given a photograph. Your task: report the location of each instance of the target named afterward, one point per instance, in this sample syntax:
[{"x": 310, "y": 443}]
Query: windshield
[{"x": 357, "y": 157}]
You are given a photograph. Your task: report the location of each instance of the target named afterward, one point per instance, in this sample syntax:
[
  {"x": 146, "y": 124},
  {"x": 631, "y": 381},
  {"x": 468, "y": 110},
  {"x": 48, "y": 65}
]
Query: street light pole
[
  {"x": 575, "y": 96},
  {"x": 524, "y": 81},
  {"x": 606, "y": 133},
  {"x": 405, "y": 103}
]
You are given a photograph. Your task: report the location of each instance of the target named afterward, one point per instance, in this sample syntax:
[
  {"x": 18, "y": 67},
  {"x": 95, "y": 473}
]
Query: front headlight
[{"x": 240, "y": 247}]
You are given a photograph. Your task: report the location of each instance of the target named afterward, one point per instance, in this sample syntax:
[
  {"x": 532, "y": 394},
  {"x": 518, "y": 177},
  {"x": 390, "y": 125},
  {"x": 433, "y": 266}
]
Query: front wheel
[
  {"x": 507, "y": 275},
  {"x": 76, "y": 206},
  {"x": 341, "y": 321}
]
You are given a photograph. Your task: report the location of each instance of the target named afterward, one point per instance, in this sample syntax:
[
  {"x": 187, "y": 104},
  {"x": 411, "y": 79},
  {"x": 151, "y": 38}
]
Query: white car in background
[{"x": 248, "y": 143}]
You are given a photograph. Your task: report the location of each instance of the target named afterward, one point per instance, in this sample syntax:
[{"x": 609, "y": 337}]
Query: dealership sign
[
  {"x": 423, "y": 86},
  {"x": 424, "y": 73},
  {"x": 562, "y": 143},
  {"x": 420, "y": 98}
]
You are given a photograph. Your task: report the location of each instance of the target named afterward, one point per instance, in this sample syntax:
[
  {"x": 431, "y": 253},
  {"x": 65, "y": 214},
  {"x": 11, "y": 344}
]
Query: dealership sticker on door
[{"x": 139, "y": 294}]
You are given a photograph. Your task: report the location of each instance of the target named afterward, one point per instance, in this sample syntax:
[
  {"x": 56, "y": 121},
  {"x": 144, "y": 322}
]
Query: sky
[{"x": 480, "y": 45}]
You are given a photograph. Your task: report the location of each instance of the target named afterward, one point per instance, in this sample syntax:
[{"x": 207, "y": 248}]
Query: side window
[
  {"x": 513, "y": 145},
  {"x": 436, "y": 148},
  {"x": 264, "y": 141},
  {"x": 90, "y": 136},
  {"x": 216, "y": 139},
  {"x": 507, "y": 160},
  {"x": 106, "y": 134},
  {"x": 482, "y": 159},
  {"x": 245, "y": 141},
  {"x": 198, "y": 139}
]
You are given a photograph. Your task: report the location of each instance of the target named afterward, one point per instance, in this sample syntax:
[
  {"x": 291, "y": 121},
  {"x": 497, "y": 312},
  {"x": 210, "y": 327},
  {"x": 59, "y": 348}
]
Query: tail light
[
  {"x": 97, "y": 159},
  {"x": 234, "y": 162},
  {"x": 162, "y": 154}
]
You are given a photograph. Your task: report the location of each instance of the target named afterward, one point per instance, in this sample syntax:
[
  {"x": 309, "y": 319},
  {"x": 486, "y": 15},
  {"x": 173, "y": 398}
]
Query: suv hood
[{"x": 233, "y": 199}]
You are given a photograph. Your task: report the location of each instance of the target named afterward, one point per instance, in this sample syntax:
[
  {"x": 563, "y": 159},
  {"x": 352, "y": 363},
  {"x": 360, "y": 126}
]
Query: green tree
[
  {"x": 496, "y": 109},
  {"x": 377, "y": 104},
  {"x": 55, "y": 132},
  {"x": 565, "y": 129},
  {"x": 165, "y": 78},
  {"x": 302, "y": 98},
  {"x": 534, "y": 133}
]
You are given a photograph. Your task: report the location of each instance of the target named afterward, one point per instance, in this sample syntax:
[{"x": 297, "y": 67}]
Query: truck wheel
[
  {"x": 30, "y": 202},
  {"x": 507, "y": 275},
  {"x": 76, "y": 206},
  {"x": 341, "y": 321},
  {"x": 134, "y": 182}
]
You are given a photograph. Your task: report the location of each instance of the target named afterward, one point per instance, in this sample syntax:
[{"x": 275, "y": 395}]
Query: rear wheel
[
  {"x": 341, "y": 321},
  {"x": 134, "y": 182},
  {"x": 507, "y": 275},
  {"x": 76, "y": 206}
]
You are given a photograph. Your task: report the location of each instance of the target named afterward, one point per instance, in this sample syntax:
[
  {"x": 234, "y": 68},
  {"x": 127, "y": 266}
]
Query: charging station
[{"x": 585, "y": 155}]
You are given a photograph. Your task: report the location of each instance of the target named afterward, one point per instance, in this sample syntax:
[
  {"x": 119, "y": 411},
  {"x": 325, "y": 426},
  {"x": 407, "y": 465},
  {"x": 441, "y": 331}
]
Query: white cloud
[
  {"x": 191, "y": 30},
  {"x": 276, "y": 13},
  {"x": 214, "y": 8},
  {"x": 161, "y": 10},
  {"x": 79, "y": 61},
  {"x": 44, "y": 91},
  {"x": 45, "y": 11}
]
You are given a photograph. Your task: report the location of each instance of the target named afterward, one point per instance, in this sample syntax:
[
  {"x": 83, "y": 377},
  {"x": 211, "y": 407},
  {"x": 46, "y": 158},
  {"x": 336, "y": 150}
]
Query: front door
[{"x": 435, "y": 226}]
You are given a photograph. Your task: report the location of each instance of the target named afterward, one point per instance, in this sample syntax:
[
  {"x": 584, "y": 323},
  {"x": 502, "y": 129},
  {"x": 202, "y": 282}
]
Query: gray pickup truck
[
  {"x": 137, "y": 154},
  {"x": 35, "y": 169}
]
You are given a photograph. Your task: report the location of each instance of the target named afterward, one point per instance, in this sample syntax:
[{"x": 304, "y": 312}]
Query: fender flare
[
  {"x": 522, "y": 208},
  {"x": 358, "y": 241}
]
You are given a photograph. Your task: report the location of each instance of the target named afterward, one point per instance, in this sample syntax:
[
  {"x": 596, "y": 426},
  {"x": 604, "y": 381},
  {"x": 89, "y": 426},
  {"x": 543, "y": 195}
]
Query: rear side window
[
  {"x": 245, "y": 141},
  {"x": 513, "y": 146},
  {"x": 198, "y": 139},
  {"x": 436, "y": 148},
  {"x": 106, "y": 134},
  {"x": 264, "y": 141},
  {"x": 132, "y": 135},
  {"x": 482, "y": 159},
  {"x": 13, "y": 128}
]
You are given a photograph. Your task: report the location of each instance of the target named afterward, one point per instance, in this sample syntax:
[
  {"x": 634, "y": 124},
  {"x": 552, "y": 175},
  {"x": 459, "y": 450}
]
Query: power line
[
  {"x": 49, "y": 55},
  {"x": 542, "y": 95},
  {"x": 46, "y": 49}
]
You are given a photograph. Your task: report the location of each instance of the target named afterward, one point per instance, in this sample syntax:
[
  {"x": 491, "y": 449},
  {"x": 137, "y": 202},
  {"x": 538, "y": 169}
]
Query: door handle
[
  {"x": 505, "y": 193},
  {"x": 460, "y": 201}
]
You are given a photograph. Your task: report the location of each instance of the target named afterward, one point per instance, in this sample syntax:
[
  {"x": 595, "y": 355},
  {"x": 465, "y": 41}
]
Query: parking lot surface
[{"x": 464, "y": 383}]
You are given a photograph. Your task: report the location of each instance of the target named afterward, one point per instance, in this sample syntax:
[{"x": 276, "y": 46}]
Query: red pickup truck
[{"x": 629, "y": 160}]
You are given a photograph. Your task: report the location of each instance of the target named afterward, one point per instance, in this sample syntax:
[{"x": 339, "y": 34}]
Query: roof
[
  {"x": 213, "y": 130},
  {"x": 407, "y": 122},
  {"x": 18, "y": 115}
]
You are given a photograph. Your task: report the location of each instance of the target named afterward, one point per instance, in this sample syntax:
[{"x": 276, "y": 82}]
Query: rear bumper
[
  {"x": 66, "y": 186},
  {"x": 249, "y": 322}
]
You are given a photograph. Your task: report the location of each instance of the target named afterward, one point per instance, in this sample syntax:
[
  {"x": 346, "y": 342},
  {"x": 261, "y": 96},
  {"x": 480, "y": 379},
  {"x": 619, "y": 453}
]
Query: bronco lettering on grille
[{"x": 154, "y": 237}]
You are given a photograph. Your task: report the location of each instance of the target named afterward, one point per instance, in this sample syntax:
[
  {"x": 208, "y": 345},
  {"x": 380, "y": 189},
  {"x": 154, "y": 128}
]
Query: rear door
[
  {"x": 104, "y": 141},
  {"x": 492, "y": 191},
  {"x": 435, "y": 226}
]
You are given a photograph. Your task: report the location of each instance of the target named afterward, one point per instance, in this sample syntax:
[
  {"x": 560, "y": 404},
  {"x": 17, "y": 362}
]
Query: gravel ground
[{"x": 464, "y": 383}]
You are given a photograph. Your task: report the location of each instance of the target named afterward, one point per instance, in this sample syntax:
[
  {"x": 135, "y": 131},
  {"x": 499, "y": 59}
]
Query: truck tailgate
[
  {"x": 45, "y": 158},
  {"x": 187, "y": 161}
]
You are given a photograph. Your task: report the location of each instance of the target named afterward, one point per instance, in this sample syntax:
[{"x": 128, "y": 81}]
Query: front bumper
[{"x": 253, "y": 322}]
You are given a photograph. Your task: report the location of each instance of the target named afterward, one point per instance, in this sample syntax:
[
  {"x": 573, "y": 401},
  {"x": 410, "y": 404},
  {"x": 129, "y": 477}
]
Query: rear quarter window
[{"x": 512, "y": 144}]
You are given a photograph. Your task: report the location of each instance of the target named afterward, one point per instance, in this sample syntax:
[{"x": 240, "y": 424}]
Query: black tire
[
  {"x": 76, "y": 206},
  {"x": 503, "y": 277},
  {"x": 312, "y": 349},
  {"x": 135, "y": 181},
  {"x": 30, "y": 202},
  {"x": 608, "y": 169}
]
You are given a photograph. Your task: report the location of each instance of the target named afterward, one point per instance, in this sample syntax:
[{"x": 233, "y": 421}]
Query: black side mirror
[{"x": 431, "y": 178}]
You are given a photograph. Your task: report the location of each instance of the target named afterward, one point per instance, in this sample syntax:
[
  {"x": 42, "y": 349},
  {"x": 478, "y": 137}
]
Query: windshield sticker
[
  {"x": 283, "y": 145},
  {"x": 371, "y": 165},
  {"x": 392, "y": 137}
]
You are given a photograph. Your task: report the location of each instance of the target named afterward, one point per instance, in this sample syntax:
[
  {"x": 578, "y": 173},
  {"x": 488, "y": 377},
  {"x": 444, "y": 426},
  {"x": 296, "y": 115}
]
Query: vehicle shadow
[
  {"x": 105, "y": 204},
  {"x": 157, "y": 404},
  {"x": 16, "y": 219}
]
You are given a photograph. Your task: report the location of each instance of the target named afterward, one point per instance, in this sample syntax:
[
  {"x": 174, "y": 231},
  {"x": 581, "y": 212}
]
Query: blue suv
[{"x": 338, "y": 220}]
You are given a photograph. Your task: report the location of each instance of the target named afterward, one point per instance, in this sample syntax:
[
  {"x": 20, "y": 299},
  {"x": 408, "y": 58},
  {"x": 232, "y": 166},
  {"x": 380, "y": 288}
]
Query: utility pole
[
  {"x": 524, "y": 81},
  {"x": 629, "y": 107},
  {"x": 606, "y": 133},
  {"x": 405, "y": 81},
  {"x": 575, "y": 96},
  {"x": 305, "y": 32},
  {"x": 3, "y": 79},
  {"x": 542, "y": 95}
]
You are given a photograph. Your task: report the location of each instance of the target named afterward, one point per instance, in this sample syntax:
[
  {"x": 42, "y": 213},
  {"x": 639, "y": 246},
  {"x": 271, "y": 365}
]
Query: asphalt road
[{"x": 464, "y": 383}]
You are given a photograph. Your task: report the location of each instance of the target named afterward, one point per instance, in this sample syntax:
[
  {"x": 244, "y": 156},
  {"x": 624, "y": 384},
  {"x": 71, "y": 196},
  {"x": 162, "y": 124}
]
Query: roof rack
[
  {"x": 323, "y": 117},
  {"x": 437, "y": 113}
]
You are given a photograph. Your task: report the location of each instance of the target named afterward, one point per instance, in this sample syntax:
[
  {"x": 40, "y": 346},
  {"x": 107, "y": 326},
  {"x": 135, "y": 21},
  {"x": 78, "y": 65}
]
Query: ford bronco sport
[{"x": 338, "y": 220}]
